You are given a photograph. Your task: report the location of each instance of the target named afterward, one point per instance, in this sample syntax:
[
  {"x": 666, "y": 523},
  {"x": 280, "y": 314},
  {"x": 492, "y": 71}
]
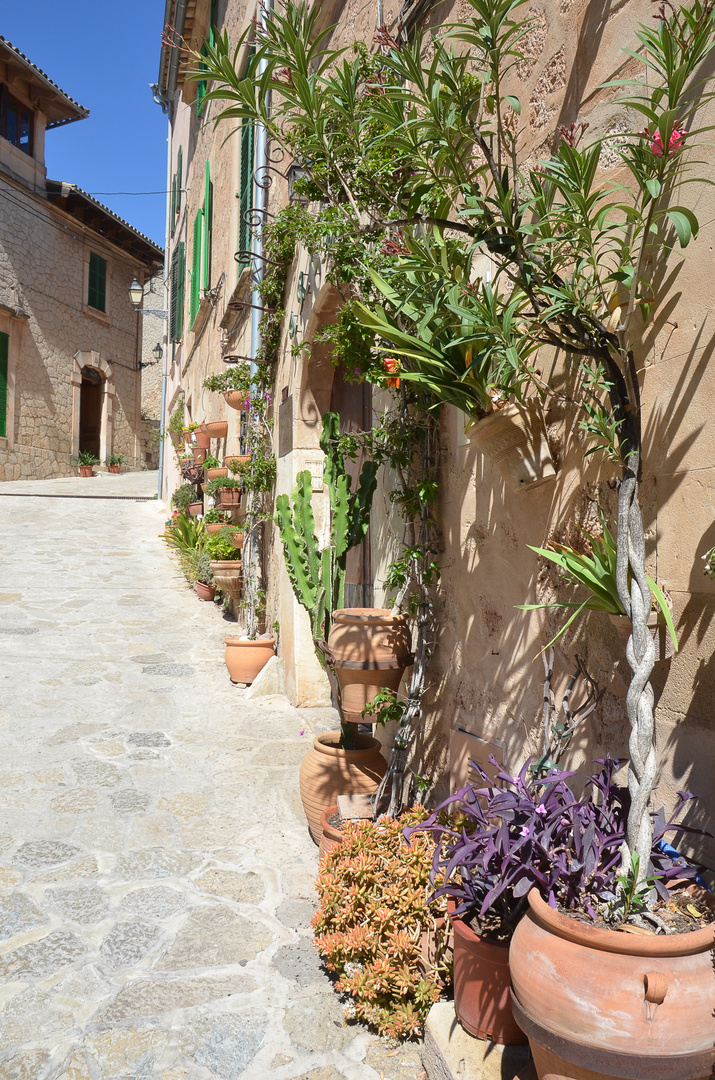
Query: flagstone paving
[{"x": 156, "y": 873}]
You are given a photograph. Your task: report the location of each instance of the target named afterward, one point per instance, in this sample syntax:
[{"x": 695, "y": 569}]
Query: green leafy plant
[
  {"x": 370, "y": 925},
  {"x": 211, "y": 462},
  {"x": 222, "y": 483},
  {"x": 187, "y": 534},
  {"x": 219, "y": 548},
  {"x": 214, "y": 516},
  {"x": 183, "y": 497},
  {"x": 598, "y": 574},
  {"x": 176, "y": 420},
  {"x": 115, "y": 459},
  {"x": 633, "y": 890},
  {"x": 259, "y": 472},
  {"x": 86, "y": 457},
  {"x": 202, "y": 568},
  {"x": 384, "y": 707},
  {"x": 236, "y": 377}
]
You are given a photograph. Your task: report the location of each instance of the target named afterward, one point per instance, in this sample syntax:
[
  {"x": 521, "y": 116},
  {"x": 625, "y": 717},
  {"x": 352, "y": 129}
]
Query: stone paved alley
[{"x": 156, "y": 873}]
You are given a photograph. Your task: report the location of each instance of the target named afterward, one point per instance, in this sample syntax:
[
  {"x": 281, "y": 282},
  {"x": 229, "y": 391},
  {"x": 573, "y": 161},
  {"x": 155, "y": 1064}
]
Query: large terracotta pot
[
  {"x": 85, "y": 470},
  {"x": 215, "y": 474},
  {"x": 481, "y": 986},
  {"x": 331, "y": 837},
  {"x": 196, "y": 508},
  {"x": 205, "y": 592},
  {"x": 228, "y": 576},
  {"x": 599, "y": 1004},
  {"x": 327, "y": 771},
  {"x": 229, "y": 498},
  {"x": 514, "y": 440},
  {"x": 664, "y": 648},
  {"x": 371, "y": 647},
  {"x": 215, "y": 429},
  {"x": 114, "y": 468},
  {"x": 234, "y": 399},
  {"x": 244, "y": 659}
]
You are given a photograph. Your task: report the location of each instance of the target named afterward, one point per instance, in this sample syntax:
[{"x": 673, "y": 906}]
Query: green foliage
[
  {"x": 318, "y": 575},
  {"x": 214, "y": 516},
  {"x": 222, "y": 483},
  {"x": 259, "y": 472},
  {"x": 176, "y": 420},
  {"x": 632, "y": 893},
  {"x": 351, "y": 345},
  {"x": 211, "y": 462},
  {"x": 383, "y": 708},
  {"x": 86, "y": 457},
  {"x": 219, "y": 547},
  {"x": 187, "y": 535},
  {"x": 369, "y": 926},
  {"x": 596, "y": 573},
  {"x": 236, "y": 377},
  {"x": 202, "y": 568},
  {"x": 115, "y": 459},
  {"x": 183, "y": 497}
]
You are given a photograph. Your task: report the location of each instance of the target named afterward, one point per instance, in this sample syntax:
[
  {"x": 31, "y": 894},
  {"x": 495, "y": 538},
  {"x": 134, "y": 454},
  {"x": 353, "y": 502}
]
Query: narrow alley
[{"x": 156, "y": 872}]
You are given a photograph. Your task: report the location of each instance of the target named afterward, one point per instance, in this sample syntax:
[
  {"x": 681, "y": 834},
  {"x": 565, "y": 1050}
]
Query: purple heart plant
[{"x": 495, "y": 843}]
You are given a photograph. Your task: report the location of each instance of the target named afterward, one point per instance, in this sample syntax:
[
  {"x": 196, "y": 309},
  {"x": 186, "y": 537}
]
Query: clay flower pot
[
  {"x": 175, "y": 437},
  {"x": 228, "y": 575},
  {"x": 205, "y": 592},
  {"x": 331, "y": 837},
  {"x": 85, "y": 470},
  {"x": 230, "y": 498},
  {"x": 599, "y": 1003},
  {"x": 200, "y": 439},
  {"x": 664, "y": 648},
  {"x": 244, "y": 659},
  {"x": 239, "y": 459},
  {"x": 199, "y": 454},
  {"x": 213, "y": 474},
  {"x": 215, "y": 429},
  {"x": 214, "y": 527},
  {"x": 114, "y": 468},
  {"x": 234, "y": 399},
  {"x": 514, "y": 440},
  {"x": 196, "y": 508},
  {"x": 371, "y": 647},
  {"x": 327, "y": 771},
  {"x": 481, "y": 986}
]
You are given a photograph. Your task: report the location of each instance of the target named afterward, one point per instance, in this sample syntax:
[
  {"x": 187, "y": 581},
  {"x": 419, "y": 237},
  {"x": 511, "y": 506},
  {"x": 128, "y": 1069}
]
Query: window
[
  {"x": 15, "y": 121},
  {"x": 208, "y": 225},
  {"x": 196, "y": 266},
  {"x": 97, "y": 290},
  {"x": 176, "y": 312},
  {"x": 4, "y": 348},
  {"x": 245, "y": 193}
]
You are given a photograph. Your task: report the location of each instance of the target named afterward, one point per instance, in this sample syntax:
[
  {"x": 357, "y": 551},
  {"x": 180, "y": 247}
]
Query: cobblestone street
[{"x": 156, "y": 872}]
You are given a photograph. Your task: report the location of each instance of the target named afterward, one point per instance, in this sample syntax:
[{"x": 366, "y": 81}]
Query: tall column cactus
[{"x": 318, "y": 574}]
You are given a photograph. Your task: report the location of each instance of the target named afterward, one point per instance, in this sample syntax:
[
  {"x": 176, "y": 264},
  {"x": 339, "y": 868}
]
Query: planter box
[
  {"x": 230, "y": 499},
  {"x": 215, "y": 429}
]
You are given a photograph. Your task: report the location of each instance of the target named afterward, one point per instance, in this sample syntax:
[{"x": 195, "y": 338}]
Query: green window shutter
[
  {"x": 4, "y": 349},
  {"x": 245, "y": 195},
  {"x": 97, "y": 291},
  {"x": 176, "y": 309},
  {"x": 173, "y": 203},
  {"x": 179, "y": 178},
  {"x": 208, "y": 223},
  {"x": 196, "y": 266}
]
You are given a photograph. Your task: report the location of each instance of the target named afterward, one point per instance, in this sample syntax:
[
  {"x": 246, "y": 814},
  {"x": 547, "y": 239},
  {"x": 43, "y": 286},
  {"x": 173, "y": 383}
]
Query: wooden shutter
[
  {"x": 245, "y": 195},
  {"x": 4, "y": 349},
  {"x": 97, "y": 290},
  {"x": 196, "y": 266},
  {"x": 208, "y": 222},
  {"x": 176, "y": 309},
  {"x": 179, "y": 178}
]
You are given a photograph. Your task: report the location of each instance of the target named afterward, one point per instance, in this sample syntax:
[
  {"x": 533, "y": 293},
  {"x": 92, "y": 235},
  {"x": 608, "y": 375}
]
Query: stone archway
[{"x": 94, "y": 362}]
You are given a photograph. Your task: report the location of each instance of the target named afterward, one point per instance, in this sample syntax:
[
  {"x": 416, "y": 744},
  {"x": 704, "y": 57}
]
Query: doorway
[
  {"x": 90, "y": 411},
  {"x": 353, "y": 403}
]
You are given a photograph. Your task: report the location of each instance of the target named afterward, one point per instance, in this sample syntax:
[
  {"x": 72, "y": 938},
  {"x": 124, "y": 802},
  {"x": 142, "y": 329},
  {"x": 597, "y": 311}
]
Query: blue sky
[{"x": 104, "y": 55}]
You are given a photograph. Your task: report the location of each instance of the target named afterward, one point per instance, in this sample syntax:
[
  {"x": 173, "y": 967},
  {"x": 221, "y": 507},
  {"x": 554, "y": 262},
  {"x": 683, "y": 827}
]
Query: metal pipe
[{"x": 167, "y": 301}]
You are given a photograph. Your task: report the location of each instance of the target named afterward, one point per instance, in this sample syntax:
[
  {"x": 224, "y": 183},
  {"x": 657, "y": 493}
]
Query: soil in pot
[
  {"x": 205, "y": 592},
  {"x": 371, "y": 647},
  {"x": 244, "y": 658},
  {"x": 599, "y": 1003},
  {"x": 328, "y": 771},
  {"x": 481, "y": 986}
]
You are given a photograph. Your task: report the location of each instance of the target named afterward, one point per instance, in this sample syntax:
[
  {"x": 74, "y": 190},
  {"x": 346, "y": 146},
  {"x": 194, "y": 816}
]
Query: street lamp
[
  {"x": 157, "y": 352},
  {"x": 136, "y": 295}
]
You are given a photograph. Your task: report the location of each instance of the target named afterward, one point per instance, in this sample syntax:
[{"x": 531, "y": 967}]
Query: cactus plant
[{"x": 318, "y": 575}]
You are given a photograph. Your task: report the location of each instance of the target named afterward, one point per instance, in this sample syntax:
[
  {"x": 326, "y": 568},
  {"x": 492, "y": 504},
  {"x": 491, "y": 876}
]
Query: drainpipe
[{"x": 167, "y": 301}]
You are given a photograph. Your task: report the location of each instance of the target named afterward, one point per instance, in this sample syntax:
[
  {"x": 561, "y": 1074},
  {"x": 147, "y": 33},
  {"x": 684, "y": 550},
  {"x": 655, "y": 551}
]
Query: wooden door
[
  {"x": 353, "y": 403},
  {"x": 90, "y": 412}
]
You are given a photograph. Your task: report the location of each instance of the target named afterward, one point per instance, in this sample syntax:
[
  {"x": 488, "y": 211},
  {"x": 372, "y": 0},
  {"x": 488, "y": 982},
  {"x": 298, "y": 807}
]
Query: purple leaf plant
[{"x": 495, "y": 843}]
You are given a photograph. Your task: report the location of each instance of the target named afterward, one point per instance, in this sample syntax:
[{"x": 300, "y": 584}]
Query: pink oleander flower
[{"x": 675, "y": 142}]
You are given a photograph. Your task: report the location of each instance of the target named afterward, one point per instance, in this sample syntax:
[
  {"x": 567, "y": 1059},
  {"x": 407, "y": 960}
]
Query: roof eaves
[
  {"x": 81, "y": 111},
  {"x": 66, "y": 189}
]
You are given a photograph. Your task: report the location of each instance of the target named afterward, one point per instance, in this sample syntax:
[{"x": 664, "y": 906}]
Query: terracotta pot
[
  {"x": 331, "y": 837},
  {"x": 228, "y": 575},
  {"x": 600, "y": 1004},
  {"x": 85, "y": 470},
  {"x": 187, "y": 433},
  {"x": 199, "y": 454},
  {"x": 201, "y": 440},
  {"x": 664, "y": 648},
  {"x": 215, "y": 429},
  {"x": 114, "y": 468},
  {"x": 214, "y": 474},
  {"x": 371, "y": 647},
  {"x": 176, "y": 438},
  {"x": 514, "y": 440},
  {"x": 239, "y": 459},
  {"x": 205, "y": 592},
  {"x": 244, "y": 659},
  {"x": 229, "y": 498},
  {"x": 234, "y": 399},
  {"x": 195, "y": 509},
  {"x": 481, "y": 986},
  {"x": 215, "y": 527},
  {"x": 327, "y": 771},
  {"x": 237, "y": 540}
]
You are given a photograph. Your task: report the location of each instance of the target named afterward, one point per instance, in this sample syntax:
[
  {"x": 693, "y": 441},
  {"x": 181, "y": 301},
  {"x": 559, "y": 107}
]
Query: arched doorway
[
  {"x": 90, "y": 411},
  {"x": 353, "y": 404}
]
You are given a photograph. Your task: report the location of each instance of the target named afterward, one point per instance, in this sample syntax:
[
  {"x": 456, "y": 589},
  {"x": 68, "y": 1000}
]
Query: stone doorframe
[{"x": 94, "y": 360}]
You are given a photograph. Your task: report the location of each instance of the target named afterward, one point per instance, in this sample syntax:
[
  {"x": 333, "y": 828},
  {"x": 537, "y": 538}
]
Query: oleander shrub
[{"x": 375, "y": 929}]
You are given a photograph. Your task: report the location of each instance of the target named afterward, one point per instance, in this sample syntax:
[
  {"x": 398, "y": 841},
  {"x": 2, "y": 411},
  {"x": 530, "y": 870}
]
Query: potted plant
[
  {"x": 114, "y": 462},
  {"x": 204, "y": 579},
  {"x": 215, "y": 429},
  {"x": 235, "y": 384},
  {"x": 215, "y": 520},
  {"x": 226, "y": 491},
  {"x": 213, "y": 468},
  {"x": 497, "y": 844},
  {"x": 175, "y": 427},
  {"x": 86, "y": 461},
  {"x": 182, "y": 498},
  {"x": 225, "y": 567}
]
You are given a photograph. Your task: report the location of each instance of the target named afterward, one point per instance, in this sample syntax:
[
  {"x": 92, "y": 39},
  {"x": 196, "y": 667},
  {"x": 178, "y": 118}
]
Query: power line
[{"x": 127, "y": 193}]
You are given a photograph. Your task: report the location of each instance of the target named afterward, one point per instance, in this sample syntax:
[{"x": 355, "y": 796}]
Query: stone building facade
[
  {"x": 485, "y": 683},
  {"x": 70, "y": 341}
]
